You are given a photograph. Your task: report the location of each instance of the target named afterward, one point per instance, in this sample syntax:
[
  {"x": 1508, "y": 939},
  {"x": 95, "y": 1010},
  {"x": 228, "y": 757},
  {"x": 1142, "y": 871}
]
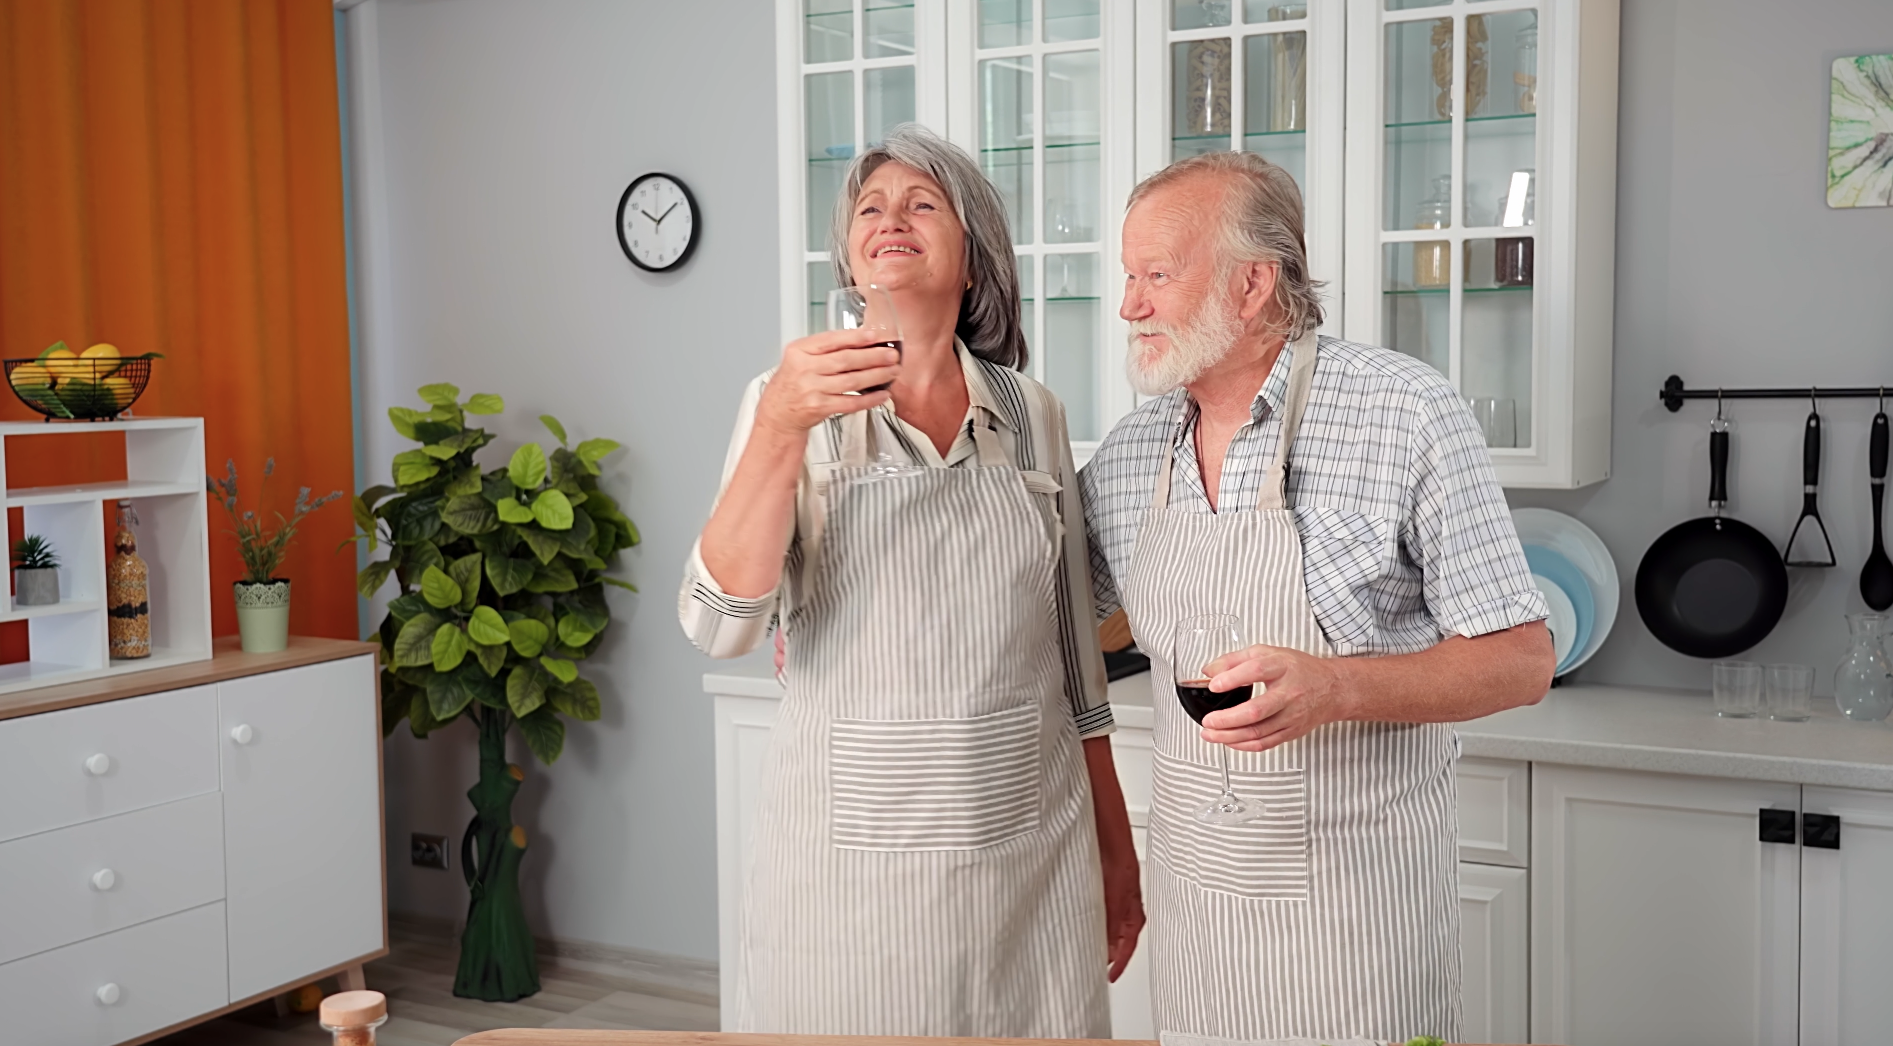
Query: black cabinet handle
[
  {"x": 1778, "y": 826},
  {"x": 1821, "y": 831}
]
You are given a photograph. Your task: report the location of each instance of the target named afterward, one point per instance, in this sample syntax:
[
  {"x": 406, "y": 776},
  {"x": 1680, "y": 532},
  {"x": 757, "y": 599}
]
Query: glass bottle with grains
[{"x": 354, "y": 1016}]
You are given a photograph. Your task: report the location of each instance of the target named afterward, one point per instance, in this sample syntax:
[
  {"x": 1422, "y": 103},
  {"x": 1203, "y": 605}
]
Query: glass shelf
[
  {"x": 1408, "y": 291},
  {"x": 1470, "y": 120}
]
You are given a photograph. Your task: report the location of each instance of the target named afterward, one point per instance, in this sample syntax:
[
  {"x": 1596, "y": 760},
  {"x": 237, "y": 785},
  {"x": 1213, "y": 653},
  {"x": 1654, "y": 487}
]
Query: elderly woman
[{"x": 941, "y": 834}]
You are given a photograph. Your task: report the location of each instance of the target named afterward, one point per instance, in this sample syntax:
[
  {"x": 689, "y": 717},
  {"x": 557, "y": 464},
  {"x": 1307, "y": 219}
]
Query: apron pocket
[
  {"x": 1265, "y": 860},
  {"x": 934, "y": 784}
]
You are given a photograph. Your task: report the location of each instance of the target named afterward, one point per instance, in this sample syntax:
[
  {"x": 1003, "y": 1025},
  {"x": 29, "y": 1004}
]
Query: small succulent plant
[{"x": 34, "y": 552}]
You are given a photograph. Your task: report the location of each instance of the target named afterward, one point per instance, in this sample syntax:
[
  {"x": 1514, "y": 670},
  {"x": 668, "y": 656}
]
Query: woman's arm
[{"x": 1123, "y": 886}]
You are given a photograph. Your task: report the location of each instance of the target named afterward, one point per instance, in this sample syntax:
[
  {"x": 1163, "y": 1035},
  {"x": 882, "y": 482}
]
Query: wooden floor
[{"x": 417, "y": 976}]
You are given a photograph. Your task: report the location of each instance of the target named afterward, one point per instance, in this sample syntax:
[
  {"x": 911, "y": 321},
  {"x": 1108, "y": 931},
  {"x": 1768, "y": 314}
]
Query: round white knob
[
  {"x": 242, "y": 734},
  {"x": 99, "y": 765},
  {"x": 108, "y": 995},
  {"x": 104, "y": 879}
]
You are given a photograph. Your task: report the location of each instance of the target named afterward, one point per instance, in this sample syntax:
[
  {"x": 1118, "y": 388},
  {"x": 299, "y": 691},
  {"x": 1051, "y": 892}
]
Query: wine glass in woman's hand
[
  {"x": 822, "y": 375},
  {"x": 869, "y": 308}
]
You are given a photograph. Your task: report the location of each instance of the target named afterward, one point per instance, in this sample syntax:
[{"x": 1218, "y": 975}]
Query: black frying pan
[{"x": 1714, "y": 586}]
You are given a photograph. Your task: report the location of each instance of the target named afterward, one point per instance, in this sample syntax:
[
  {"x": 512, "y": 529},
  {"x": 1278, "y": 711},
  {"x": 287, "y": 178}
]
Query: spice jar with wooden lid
[{"x": 354, "y": 1016}]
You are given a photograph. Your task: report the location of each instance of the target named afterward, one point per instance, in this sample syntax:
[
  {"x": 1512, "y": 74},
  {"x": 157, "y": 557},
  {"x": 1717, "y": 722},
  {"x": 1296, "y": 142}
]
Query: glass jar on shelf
[
  {"x": 1863, "y": 684},
  {"x": 1288, "y": 94},
  {"x": 1525, "y": 69},
  {"x": 1512, "y": 255},
  {"x": 1432, "y": 259}
]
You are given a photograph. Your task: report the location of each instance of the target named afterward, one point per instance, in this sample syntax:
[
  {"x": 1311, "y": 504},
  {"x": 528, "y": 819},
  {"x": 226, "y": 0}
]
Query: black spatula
[{"x": 1876, "y": 578}]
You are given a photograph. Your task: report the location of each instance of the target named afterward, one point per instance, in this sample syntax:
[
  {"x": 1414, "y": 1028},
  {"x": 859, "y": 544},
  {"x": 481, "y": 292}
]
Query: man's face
[{"x": 1178, "y": 297}]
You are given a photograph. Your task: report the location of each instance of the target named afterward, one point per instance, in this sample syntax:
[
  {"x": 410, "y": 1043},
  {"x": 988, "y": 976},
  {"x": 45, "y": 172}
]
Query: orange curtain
[{"x": 171, "y": 181}]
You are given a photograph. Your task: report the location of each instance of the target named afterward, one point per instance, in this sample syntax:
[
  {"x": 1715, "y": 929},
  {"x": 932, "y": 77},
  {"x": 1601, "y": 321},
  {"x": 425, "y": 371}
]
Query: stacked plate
[{"x": 1579, "y": 579}]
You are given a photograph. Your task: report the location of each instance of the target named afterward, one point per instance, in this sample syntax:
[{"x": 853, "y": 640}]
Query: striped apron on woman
[
  {"x": 925, "y": 859},
  {"x": 1336, "y": 915}
]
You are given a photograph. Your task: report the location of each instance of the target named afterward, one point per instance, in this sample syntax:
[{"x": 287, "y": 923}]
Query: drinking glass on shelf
[
  {"x": 869, "y": 307},
  {"x": 1787, "y": 691},
  {"x": 1498, "y": 419},
  {"x": 1197, "y": 642},
  {"x": 1738, "y": 689}
]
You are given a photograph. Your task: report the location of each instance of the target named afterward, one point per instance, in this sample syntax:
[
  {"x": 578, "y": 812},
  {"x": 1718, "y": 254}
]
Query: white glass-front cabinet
[{"x": 1457, "y": 160}]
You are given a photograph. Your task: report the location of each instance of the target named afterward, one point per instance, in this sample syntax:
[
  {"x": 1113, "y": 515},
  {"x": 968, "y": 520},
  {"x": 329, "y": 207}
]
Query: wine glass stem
[{"x": 1229, "y": 793}]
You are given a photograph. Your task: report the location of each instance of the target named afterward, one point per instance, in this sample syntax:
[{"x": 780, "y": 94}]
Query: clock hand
[
  {"x": 654, "y": 219},
  {"x": 660, "y": 218}
]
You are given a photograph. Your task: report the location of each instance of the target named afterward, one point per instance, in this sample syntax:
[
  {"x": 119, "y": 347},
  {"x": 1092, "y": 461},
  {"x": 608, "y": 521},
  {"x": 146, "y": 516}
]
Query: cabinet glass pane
[
  {"x": 821, "y": 280},
  {"x": 1501, "y": 106},
  {"x": 1495, "y": 341},
  {"x": 1005, "y": 23},
  {"x": 1408, "y": 5},
  {"x": 1071, "y": 339},
  {"x": 1419, "y": 79},
  {"x": 1072, "y": 176},
  {"x": 887, "y": 97},
  {"x": 1196, "y": 14},
  {"x": 1028, "y": 310},
  {"x": 1199, "y": 92},
  {"x": 889, "y": 28},
  {"x": 1413, "y": 301},
  {"x": 1272, "y": 11},
  {"x": 827, "y": 30},
  {"x": 1005, "y": 139},
  {"x": 829, "y": 127},
  {"x": 1070, "y": 20},
  {"x": 1275, "y": 99}
]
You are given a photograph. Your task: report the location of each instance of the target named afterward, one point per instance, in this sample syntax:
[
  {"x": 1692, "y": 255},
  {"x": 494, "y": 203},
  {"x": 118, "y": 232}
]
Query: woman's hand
[
  {"x": 1117, "y": 854},
  {"x": 820, "y": 374}
]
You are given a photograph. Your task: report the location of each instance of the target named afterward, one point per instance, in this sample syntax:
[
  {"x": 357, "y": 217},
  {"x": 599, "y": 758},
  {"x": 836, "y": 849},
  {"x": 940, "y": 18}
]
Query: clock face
[{"x": 657, "y": 222}]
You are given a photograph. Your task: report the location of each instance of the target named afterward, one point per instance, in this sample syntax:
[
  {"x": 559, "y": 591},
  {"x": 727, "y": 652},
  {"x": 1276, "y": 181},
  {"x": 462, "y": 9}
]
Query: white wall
[
  {"x": 1731, "y": 270},
  {"x": 506, "y": 133}
]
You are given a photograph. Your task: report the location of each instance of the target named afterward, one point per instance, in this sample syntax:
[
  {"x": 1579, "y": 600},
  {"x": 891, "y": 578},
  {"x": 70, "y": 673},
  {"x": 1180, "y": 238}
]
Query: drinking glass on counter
[
  {"x": 1738, "y": 689},
  {"x": 1788, "y": 691}
]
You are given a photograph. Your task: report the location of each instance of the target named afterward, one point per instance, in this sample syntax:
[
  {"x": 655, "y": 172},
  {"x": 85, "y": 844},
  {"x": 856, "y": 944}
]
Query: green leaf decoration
[
  {"x": 528, "y": 636},
  {"x": 552, "y": 577},
  {"x": 545, "y": 545},
  {"x": 497, "y": 488},
  {"x": 440, "y": 394},
  {"x": 573, "y": 632},
  {"x": 406, "y": 607},
  {"x": 527, "y": 469},
  {"x": 403, "y": 419},
  {"x": 440, "y": 590},
  {"x": 565, "y": 671},
  {"x": 552, "y": 510},
  {"x": 465, "y": 439},
  {"x": 552, "y": 425},
  {"x": 374, "y": 494},
  {"x": 419, "y": 520},
  {"x": 438, "y": 451},
  {"x": 420, "y": 715},
  {"x": 485, "y": 403},
  {"x": 525, "y": 689},
  {"x": 466, "y": 573},
  {"x": 447, "y": 696},
  {"x": 372, "y": 577},
  {"x": 466, "y": 482},
  {"x": 413, "y": 475},
  {"x": 626, "y": 585},
  {"x": 365, "y": 517},
  {"x": 395, "y": 702},
  {"x": 592, "y": 451},
  {"x": 508, "y": 575},
  {"x": 576, "y": 540},
  {"x": 511, "y": 511},
  {"x": 417, "y": 558},
  {"x": 429, "y": 430},
  {"x": 588, "y": 606},
  {"x": 487, "y": 627},
  {"x": 545, "y": 735},
  {"x": 414, "y": 646},
  {"x": 490, "y": 658},
  {"x": 469, "y": 514},
  {"x": 449, "y": 647},
  {"x": 54, "y": 347},
  {"x": 578, "y": 699}
]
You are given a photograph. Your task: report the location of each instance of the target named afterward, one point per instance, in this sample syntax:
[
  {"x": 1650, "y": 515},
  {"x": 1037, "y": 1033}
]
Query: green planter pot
[{"x": 263, "y": 615}]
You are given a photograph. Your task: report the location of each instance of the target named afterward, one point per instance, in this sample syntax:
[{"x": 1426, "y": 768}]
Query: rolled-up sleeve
[
  {"x": 719, "y": 624},
  {"x": 1474, "y": 576}
]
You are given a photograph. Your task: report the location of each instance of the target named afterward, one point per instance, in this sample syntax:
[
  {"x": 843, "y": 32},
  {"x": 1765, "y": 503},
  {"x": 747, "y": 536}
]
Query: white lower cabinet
[
  {"x": 1493, "y": 916},
  {"x": 119, "y": 986},
  {"x": 1846, "y": 918},
  {"x": 1658, "y": 914}
]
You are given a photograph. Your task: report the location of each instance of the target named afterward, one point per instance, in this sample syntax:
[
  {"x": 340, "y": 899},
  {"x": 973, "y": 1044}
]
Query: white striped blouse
[{"x": 1030, "y": 424}]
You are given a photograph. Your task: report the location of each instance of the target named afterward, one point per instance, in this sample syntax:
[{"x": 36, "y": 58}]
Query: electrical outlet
[{"x": 428, "y": 851}]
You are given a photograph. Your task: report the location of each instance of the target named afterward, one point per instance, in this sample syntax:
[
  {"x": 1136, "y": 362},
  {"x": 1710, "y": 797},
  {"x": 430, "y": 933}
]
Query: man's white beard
[{"x": 1194, "y": 348}]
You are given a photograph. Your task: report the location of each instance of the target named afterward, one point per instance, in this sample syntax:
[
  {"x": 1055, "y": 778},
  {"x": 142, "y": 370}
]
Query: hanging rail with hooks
[{"x": 1674, "y": 393}]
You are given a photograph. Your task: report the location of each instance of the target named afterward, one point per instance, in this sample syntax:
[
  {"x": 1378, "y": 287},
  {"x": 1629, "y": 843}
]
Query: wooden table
[{"x": 555, "y": 1037}]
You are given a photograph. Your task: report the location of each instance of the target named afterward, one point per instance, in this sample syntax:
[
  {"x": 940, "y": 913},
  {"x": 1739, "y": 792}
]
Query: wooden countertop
[
  {"x": 555, "y": 1037},
  {"x": 227, "y": 661}
]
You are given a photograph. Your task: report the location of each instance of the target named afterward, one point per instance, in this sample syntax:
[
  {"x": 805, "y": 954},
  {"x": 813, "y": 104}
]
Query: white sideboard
[{"x": 182, "y": 842}]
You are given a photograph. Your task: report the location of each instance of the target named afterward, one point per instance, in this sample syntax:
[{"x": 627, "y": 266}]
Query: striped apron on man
[
  {"x": 1336, "y": 915},
  {"x": 925, "y": 860}
]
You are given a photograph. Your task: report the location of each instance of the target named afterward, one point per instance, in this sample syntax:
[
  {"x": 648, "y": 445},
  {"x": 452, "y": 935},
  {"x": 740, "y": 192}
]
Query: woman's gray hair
[
  {"x": 989, "y": 312},
  {"x": 1261, "y": 222}
]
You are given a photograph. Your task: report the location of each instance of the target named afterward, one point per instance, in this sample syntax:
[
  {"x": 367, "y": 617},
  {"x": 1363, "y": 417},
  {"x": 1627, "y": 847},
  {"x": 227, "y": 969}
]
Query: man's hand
[{"x": 1298, "y": 693}]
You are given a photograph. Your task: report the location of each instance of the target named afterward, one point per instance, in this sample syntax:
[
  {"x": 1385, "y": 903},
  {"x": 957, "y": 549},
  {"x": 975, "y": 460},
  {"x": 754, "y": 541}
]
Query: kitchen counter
[
  {"x": 1624, "y": 728},
  {"x": 227, "y": 661}
]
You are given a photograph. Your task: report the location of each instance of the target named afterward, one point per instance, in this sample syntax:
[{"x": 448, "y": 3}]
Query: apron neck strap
[{"x": 1301, "y": 374}]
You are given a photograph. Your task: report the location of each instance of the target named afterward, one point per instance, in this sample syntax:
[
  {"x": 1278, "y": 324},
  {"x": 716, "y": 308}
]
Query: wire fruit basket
[{"x": 79, "y": 389}]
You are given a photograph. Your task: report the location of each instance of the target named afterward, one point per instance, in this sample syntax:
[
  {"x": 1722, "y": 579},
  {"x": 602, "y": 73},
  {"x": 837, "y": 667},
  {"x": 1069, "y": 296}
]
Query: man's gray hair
[
  {"x": 989, "y": 312},
  {"x": 1261, "y": 222}
]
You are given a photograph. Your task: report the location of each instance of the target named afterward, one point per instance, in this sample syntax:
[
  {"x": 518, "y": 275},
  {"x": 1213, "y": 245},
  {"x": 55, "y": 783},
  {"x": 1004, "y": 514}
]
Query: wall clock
[{"x": 658, "y": 222}]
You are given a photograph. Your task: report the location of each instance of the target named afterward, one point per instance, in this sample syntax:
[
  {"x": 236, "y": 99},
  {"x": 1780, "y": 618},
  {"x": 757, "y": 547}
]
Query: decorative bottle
[
  {"x": 1863, "y": 684},
  {"x": 127, "y": 592}
]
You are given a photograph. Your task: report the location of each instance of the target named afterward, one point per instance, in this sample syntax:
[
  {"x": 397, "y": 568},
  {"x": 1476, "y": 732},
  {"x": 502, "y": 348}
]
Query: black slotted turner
[{"x": 1810, "y": 490}]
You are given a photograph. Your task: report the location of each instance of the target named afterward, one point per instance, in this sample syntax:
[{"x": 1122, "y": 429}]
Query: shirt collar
[
  {"x": 979, "y": 390},
  {"x": 1268, "y": 399}
]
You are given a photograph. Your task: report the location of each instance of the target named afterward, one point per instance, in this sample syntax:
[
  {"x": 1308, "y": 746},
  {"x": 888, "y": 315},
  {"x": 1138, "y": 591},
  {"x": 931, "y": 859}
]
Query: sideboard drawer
[
  {"x": 78, "y": 882},
  {"x": 118, "y": 986},
  {"x": 156, "y": 749}
]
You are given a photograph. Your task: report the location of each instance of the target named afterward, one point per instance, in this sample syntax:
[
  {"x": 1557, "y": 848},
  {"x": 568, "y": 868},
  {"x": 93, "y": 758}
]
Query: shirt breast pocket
[{"x": 1343, "y": 555}]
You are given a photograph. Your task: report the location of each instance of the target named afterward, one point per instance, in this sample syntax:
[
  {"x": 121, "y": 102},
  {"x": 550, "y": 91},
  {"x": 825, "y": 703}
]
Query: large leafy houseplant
[{"x": 502, "y": 575}]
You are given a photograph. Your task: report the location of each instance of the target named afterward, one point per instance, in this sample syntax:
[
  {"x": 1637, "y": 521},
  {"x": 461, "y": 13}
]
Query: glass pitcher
[{"x": 1863, "y": 684}]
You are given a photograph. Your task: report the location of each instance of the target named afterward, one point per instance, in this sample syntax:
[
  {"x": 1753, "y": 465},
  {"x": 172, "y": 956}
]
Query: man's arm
[{"x": 1456, "y": 680}]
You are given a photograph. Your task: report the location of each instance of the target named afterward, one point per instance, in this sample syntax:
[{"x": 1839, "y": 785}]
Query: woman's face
[{"x": 905, "y": 236}]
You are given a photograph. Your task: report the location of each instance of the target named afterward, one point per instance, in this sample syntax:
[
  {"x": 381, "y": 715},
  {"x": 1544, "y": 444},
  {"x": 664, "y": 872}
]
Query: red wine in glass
[
  {"x": 895, "y": 345},
  {"x": 1199, "y": 700},
  {"x": 1196, "y": 642}
]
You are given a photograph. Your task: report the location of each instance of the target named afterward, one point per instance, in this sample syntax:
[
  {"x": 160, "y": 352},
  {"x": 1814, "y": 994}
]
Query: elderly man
[{"x": 1338, "y": 500}]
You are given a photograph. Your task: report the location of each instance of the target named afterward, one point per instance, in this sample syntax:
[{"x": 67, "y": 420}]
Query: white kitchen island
[{"x": 1615, "y": 881}]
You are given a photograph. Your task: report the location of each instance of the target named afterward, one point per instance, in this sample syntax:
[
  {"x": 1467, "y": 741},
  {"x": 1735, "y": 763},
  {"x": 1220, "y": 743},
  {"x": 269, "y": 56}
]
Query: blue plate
[{"x": 1562, "y": 572}]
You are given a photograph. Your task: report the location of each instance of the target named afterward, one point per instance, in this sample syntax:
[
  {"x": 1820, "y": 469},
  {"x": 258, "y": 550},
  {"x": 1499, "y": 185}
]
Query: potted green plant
[
  {"x": 502, "y": 578},
  {"x": 262, "y": 597},
  {"x": 35, "y": 572}
]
